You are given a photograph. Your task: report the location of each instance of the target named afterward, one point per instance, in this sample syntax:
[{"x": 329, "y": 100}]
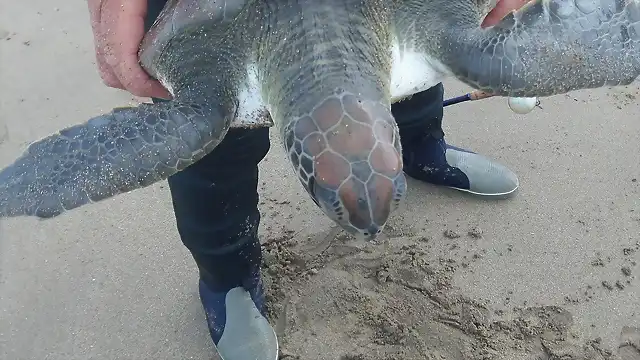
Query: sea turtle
[{"x": 325, "y": 73}]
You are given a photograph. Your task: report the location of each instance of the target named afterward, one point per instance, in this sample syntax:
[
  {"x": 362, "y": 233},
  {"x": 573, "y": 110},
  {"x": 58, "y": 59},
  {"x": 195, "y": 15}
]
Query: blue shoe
[
  {"x": 237, "y": 322},
  {"x": 433, "y": 161}
]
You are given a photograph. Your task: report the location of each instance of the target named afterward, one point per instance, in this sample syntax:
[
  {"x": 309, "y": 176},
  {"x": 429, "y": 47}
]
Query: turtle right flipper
[
  {"x": 550, "y": 47},
  {"x": 126, "y": 149}
]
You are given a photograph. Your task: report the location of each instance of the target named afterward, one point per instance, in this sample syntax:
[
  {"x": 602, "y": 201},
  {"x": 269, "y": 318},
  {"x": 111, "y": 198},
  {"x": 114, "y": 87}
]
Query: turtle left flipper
[{"x": 124, "y": 150}]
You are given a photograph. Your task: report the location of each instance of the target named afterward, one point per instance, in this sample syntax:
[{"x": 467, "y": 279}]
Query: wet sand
[{"x": 551, "y": 273}]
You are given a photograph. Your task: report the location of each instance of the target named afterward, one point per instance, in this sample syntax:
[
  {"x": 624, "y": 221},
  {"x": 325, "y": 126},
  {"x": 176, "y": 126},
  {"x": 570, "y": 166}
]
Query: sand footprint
[{"x": 629, "y": 348}]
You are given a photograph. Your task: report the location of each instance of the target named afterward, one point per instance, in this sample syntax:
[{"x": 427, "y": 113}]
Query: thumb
[{"x": 503, "y": 7}]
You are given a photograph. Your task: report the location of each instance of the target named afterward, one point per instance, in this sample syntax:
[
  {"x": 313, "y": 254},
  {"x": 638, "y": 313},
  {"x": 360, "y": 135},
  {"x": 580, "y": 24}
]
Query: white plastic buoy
[{"x": 521, "y": 105}]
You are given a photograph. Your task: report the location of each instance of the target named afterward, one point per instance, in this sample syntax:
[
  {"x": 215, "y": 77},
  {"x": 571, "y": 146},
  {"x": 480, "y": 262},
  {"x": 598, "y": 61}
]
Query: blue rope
[{"x": 457, "y": 100}]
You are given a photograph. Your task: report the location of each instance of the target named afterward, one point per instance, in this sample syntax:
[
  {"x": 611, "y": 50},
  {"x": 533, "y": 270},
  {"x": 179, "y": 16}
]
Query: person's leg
[
  {"x": 215, "y": 203},
  {"x": 216, "y": 208},
  {"x": 429, "y": 158}
]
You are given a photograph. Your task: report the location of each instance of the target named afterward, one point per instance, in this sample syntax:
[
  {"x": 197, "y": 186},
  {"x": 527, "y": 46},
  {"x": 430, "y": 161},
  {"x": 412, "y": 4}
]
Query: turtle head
[
  {"x": 325, "y": 69},
  {"x": 347, "y": 154}
]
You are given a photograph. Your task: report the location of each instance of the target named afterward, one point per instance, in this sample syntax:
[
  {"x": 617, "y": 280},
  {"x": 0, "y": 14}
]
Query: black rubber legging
[{"x": 216, "y": 200}]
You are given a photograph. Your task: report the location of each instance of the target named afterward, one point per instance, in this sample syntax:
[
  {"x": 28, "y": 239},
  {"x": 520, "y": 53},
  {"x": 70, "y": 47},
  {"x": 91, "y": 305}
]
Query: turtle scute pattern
[
  {"x": 110, "y": 154},
  {"x": 346, "y": 152},
  {"x": 548, "y": 47}
]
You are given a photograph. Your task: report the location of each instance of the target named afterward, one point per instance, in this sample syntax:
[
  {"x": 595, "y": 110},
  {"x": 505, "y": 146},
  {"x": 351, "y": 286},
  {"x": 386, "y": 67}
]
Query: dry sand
[{"x": 549, "y": 274}]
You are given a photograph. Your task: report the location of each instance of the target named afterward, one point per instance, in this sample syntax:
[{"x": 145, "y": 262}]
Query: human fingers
[
  {"x": 503, "y": 7},
  {"x": 100, "y": 44},
  {"x": 124, "y": 42},
  {"x": 106, "y": 72}
]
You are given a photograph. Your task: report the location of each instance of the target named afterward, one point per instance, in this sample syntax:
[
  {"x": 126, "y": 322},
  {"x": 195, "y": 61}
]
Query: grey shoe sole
[
  {"x": 486, "y": 177},
  {"x": 247, "y": 334}
]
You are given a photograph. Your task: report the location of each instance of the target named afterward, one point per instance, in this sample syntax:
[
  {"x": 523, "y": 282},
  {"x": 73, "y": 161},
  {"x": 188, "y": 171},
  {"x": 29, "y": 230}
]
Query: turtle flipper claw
[{"x": 124, "y": 150}]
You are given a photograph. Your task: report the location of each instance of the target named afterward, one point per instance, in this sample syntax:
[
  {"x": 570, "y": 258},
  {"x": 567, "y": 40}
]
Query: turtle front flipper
[
  {"x": 124, "y": 150},
  {"x": 548, "y": 47}
]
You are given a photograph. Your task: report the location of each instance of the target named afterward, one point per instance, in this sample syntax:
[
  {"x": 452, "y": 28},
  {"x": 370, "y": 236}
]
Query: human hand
[
  {"x": 118, "y": 29},
  {"x": 503, "y": 7}
]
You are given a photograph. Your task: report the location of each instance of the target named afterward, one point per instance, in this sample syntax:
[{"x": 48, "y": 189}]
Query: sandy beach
[{"x": 552, "y": 273}]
